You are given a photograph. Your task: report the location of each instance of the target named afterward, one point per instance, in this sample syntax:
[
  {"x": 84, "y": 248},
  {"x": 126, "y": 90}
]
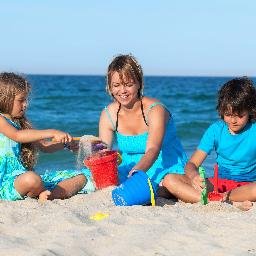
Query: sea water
[{"x": 74, "y": 104}]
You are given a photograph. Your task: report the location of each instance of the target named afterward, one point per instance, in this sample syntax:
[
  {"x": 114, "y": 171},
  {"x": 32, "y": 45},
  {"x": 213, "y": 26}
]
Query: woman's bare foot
[
  {"x": 44, "y": 196},
  {"x": 244, "y": 206}
]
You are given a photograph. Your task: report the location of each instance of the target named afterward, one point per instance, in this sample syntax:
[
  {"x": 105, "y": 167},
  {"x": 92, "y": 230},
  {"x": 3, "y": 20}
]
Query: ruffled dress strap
[
  {"x": 109, "y": 118},
  {"x": 17, "y": 126},
  {"x": 153, "y": 105}
]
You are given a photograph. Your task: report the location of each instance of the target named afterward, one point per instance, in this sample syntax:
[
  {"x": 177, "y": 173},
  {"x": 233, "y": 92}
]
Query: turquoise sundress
[
  {"x": 11, "y": 167},
  {"x": 171, "y": 159}
]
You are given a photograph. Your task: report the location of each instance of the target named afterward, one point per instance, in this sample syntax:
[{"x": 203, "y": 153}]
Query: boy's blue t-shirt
[{"x": 236, "y": 154}]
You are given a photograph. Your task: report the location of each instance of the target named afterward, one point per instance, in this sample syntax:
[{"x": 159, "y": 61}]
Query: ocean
[{"x": 74, "y": 103}]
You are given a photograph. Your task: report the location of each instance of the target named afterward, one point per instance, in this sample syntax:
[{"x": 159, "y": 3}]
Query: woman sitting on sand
[{"x": 144, "y": 128}]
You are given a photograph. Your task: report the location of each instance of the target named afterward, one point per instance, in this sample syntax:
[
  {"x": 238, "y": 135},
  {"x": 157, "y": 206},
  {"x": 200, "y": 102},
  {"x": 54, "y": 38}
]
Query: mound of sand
[{"x": 65, "y": 227}]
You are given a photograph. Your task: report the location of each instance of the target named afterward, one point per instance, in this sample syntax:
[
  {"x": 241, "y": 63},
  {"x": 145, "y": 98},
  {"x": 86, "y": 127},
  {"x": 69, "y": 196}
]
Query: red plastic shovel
[{"x": 215, "y": 195}]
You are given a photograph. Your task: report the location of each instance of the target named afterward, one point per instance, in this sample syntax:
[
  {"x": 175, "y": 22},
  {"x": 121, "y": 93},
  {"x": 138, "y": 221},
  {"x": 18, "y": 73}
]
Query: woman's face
[{"x": 124, "y": 91}]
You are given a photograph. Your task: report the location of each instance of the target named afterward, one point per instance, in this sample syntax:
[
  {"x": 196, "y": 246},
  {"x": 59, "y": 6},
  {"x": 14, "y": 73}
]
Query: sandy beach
[{"x": 64, "y": 227}]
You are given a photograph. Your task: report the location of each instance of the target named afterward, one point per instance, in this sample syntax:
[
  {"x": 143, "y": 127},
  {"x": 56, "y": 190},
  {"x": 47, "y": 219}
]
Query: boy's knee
[
  {"x": 169, "y": 179},
  {"x": 173, "y": 181}
]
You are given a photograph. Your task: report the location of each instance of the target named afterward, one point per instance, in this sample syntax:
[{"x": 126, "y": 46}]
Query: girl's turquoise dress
[
  {"x": 171, "y": 159},
  {"x": 11, "y": 167}
]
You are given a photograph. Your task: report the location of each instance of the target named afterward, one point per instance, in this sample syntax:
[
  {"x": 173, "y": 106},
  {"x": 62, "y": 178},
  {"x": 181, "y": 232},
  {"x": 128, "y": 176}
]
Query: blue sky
[{"x": 168, "y": 37}]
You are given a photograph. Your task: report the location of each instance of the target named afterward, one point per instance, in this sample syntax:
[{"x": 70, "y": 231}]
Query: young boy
[{"x": 233, "y": 138}]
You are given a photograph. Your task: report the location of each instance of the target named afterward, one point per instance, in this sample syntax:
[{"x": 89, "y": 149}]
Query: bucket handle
[{"x": 152, "y": 195}]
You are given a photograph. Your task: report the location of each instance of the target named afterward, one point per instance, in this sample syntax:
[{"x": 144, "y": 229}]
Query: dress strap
[
  {"x": 142, "y": 111},
  {"x": 109, "y": 117},
  {"x": 15, "y": 124},
  {"x": 153, "y": 105},
  {"x": 117, "y": 116}
]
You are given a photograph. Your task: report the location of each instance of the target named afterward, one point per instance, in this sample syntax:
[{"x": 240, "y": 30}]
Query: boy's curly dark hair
[
  {"x": 12, "y": 84},
  {"x": 236, "y": 96}
]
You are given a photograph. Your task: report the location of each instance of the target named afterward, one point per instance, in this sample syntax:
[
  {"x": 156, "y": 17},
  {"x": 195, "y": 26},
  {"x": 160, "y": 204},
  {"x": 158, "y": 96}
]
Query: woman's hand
[
  {"x": 131, "y": 173},
  {"x": 98, "y": 145}
]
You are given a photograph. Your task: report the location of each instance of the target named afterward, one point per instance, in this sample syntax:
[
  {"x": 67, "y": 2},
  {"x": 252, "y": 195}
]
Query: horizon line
[{"x": 153, "y": 75}]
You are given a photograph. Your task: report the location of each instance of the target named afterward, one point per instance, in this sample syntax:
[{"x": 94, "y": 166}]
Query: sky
[{"x": 168, "y": 37}]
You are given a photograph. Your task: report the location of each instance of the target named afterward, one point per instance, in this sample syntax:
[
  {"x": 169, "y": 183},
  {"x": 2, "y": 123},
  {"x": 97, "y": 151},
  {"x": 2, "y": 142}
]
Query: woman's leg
[
  {"x": 29, "y": 184},
  {"x": 180, "y": 186}
]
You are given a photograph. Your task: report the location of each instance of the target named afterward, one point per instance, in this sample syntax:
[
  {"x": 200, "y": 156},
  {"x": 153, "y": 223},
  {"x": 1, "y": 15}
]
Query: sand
[{"x": 64, "y": 227}]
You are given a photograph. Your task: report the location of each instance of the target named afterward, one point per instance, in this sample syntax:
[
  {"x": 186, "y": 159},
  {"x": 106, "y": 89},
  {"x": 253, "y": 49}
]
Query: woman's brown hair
[{"x": 125, "y": 65}]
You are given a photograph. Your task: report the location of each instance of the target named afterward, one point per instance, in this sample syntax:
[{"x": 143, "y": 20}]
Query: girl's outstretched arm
[
  {"x": 51, "y": 146},
  {"x": 31, "y": 135}
]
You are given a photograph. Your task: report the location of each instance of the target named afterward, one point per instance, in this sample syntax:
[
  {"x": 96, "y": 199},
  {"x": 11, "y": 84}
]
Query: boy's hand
[{"x": 197, "y": 183}]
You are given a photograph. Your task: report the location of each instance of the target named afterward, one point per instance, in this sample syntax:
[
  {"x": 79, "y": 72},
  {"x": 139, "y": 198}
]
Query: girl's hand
[
  {"x": 61, "y": 137},
  {"x": 197, "y": 183}
]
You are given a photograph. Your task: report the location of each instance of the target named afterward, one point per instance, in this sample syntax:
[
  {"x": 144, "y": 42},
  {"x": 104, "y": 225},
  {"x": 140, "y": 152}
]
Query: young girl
[
  {"x": 18, "y": 144},
  {"x": 144, "y": 128},
  {"x": 234, "y": 140}
]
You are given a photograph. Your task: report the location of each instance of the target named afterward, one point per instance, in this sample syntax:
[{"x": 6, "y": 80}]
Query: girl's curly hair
[{"x": 11, "y": 85}]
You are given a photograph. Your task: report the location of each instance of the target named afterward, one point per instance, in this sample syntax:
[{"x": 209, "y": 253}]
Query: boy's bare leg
[
  {"x": 163, "y": 192},
  {"x": 244, "y": 206},
  {"x": 68, "y": 187},
  {"x": 242, "y": 197},
  {"x": 180, "y": 186},
  {"x": 243, "y": 193}
]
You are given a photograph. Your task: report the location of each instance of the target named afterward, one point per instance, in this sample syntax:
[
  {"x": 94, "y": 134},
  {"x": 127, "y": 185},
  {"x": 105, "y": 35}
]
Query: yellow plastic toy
[
  {"x": 152, "y": 196},
  {"x": 119, "y": 158},
  {"x": 99, "y": 216}
]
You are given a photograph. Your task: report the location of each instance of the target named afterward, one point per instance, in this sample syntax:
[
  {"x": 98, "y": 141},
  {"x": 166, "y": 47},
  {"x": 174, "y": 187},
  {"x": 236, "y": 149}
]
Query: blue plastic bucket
[{"x": 136, "y": 190}]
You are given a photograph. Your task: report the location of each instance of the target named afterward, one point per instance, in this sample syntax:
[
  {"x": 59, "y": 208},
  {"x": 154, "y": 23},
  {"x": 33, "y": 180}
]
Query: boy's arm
[{"x": 191, "y": 168}]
